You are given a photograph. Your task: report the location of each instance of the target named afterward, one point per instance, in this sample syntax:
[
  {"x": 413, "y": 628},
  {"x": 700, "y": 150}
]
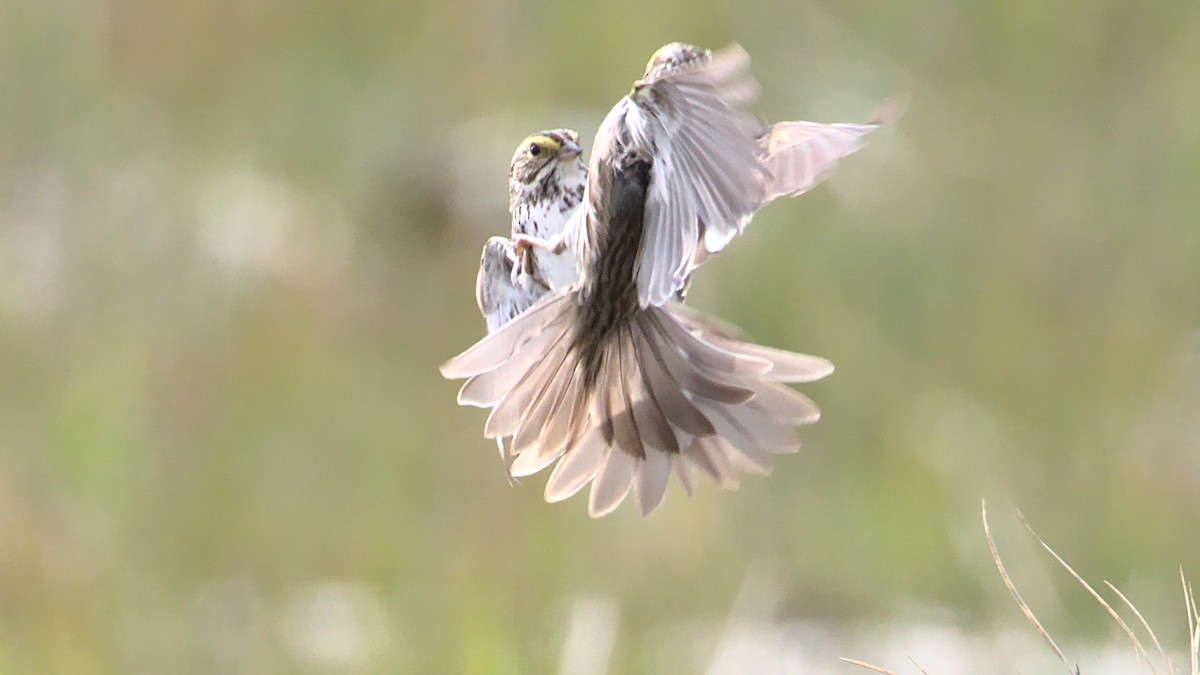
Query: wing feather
[
  {"x": 796, "y": 156},
  {"x": 705, "y": 157}
]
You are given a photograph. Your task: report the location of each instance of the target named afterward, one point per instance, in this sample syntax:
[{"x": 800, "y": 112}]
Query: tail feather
[
  {"x": 556, "y": 432},
  {"x": 619, "y": 409},
  {"x": 651, "y": 420},
  {"x": 498, "y": 347},
  {"x": 668, "y": 393},
  {"x": 652, "y": 481},
  {"x": 613, "y": 482},
  {"x": 743, "y": 444},
  {"x": 684, "y": 473},
  {"x": 700, "y": 456},
  {"x": 786, "y": 405},
  {"x": 538, "y": 414},
  {"x": 692, "y": 371},
  {"x": 745, "y": 459},
  {"x": 509, "y": 411},
  {"x": 552, "y": 440},
  {"x": 719, "y": 457},
  {"x": 771, "y": 434},
  {"x": 680, "y": 410},
  {"x": 757, "y": 424},
  {"x": 706, "y": 356},
  {"x": 788, "y": 367},
  {"x": 486, "y": 389},
  {"x": 577, "y": 468},
  {"x": 529, "y": 463},
  {"x": 579, "y": 423}
]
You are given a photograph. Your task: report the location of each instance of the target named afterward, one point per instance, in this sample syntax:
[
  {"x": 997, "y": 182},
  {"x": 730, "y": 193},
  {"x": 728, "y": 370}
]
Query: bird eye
[{"x": 535, "y": 149}]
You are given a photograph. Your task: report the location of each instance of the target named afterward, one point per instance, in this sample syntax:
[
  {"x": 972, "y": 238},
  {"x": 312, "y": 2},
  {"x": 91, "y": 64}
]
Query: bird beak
[{"x": 570, "y": 149}]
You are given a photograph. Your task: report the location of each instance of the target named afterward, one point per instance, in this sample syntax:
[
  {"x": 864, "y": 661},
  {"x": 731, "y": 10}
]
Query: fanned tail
[{"x": 671, "y": 390}]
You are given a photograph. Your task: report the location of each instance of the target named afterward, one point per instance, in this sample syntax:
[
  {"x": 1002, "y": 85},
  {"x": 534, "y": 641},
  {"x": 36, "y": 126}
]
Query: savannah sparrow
[
  {"x": 545, "y": 186},
  {"x": 607, "y": 371},
  {"x": 546, "y": 182}
]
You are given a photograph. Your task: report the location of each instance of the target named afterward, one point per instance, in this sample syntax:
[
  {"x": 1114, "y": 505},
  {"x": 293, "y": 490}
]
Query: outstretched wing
[
  {"x": 500, "y": 297},
  {"x": 798, "y": 155},
  {"x": 705, "y": 179},
  {"x": 713, "y": 164}
]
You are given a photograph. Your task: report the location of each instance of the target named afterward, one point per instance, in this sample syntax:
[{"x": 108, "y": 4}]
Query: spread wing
[
  {"x": 500, "y": 298},
  {"x": 705, "y": 180},
  {"x": 713, "y": 164},
  {"x": 798, "y": 155}
]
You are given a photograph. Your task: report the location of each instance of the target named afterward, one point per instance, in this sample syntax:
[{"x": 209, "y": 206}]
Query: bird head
[
  {"x": 671, "y": 57},
  {"x": 551, "y": 150}
]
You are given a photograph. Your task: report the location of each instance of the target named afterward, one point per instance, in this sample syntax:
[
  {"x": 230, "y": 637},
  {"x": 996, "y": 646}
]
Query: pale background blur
[{"x": 237, "y": 239}]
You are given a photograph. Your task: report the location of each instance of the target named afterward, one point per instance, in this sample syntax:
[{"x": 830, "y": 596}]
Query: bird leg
[
  {"x": 525, "y": 244},
  {"x": 556, "y": 244}
]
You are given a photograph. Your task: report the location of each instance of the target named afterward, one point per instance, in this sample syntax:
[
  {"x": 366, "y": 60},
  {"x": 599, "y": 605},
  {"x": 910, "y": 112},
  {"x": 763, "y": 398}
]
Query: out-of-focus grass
[
  {"x": 237, "y": 239},
  {"x": 1148, "y": 651}
]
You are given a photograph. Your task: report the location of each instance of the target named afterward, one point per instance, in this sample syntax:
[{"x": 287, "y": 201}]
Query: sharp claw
[{"x": 525, "y": 263}]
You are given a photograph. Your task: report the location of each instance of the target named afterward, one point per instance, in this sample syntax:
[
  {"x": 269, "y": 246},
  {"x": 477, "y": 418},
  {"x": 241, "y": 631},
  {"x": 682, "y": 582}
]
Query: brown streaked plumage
[
  {"x": 608, "y": 375},
  {"x": 546, "y": 182}
]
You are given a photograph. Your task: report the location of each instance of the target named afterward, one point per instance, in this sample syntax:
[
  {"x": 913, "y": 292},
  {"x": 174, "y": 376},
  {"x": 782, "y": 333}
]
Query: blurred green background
[{"x": 237, "y": 238}]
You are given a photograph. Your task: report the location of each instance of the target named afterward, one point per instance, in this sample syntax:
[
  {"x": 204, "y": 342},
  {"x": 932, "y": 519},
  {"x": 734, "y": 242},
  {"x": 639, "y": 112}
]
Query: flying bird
[
  {"x": 546, "y": 183},
  {"x": 605, "y": 371}
]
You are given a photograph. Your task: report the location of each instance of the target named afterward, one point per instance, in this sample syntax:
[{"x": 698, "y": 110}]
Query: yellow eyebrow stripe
[{"x": 544, "y": 141}]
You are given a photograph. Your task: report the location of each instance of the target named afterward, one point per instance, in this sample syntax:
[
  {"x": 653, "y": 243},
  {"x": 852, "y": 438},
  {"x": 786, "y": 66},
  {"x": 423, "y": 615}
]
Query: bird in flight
[{"x": 592, "y": 360}]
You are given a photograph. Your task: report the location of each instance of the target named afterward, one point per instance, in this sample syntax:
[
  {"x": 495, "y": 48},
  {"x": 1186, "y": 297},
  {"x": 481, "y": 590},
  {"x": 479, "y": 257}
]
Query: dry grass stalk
[
  {"x": 1012, "y": 589},
  {"x": 1189, "y": 598}
]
